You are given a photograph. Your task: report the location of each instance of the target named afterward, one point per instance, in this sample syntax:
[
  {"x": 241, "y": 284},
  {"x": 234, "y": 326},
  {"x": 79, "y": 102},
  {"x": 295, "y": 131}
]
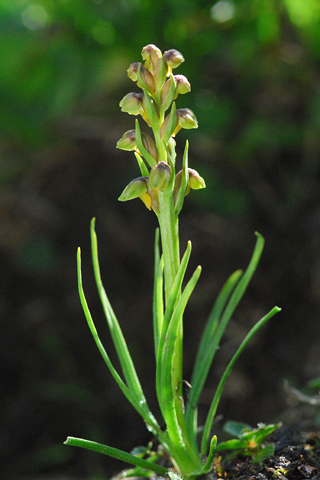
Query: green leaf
[
  {"x": 158, "y": 301},
  {"x": 236, "y": 428},
  {"x": 115, "y": 453},
  {"x": 184, "y": 181},
  {"x": 172, "y": 301},
  {"x": 133, "y": 399},
  {"x": 143, "y": 167},
  {"x": 215, "y": 401},
  {"x": 263, "y": 454},
  {"x": 167, "y": 389},
  {"x": 232, "y": 444},
  {"x": 208, "y": 346},
  {"x": 172, "y": 123},
  {"x": 115, "y": 330}
]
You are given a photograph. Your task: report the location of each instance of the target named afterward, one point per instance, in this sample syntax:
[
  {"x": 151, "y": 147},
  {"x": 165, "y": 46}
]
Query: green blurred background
[{"x": 254, "y": 67}]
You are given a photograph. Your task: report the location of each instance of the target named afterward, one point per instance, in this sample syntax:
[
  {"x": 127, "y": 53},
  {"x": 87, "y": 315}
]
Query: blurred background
[{"x": 254, "y": 67}]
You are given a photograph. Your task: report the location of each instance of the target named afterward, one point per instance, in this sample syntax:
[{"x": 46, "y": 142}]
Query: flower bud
[
  {"x": 159, "y": 176},
  {"x": 148, "y": 79},
  {"x": 168, "y": 92},
  {"x": 195, "y": 181},
  {"x": 132, "y": 103},
  {"x": 170, "y": 125},
  {"x": 186, "y": 118},
  {"x": 136, "y": 188},
  {"x": 149, "y": 145},
  {"x": 183, "y": 85},
  {"x": 151, "y": 54},
  {"x": 161, "y": 72},
  {"x": 127, "y": 141},
  {"x": 133, "y": 71},
  {"x": 173, "y": 58}
]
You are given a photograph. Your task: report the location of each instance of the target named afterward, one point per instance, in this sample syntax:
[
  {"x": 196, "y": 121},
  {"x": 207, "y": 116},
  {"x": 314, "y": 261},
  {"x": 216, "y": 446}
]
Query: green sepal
[{"x": 135, "y": 189}]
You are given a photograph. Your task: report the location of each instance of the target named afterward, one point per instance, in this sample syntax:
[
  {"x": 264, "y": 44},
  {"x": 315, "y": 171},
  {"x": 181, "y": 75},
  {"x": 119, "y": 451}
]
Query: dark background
[{"x": 254, "y": 67}]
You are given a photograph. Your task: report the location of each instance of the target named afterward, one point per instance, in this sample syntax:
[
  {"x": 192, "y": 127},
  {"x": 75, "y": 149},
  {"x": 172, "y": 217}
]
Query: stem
[{"x": 169, "y": 227}]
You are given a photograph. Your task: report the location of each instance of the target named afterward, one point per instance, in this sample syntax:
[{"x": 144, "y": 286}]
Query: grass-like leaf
[
  {"x": 125, "y": 359},
  {"x": 133, "y": 399},
  {"x": 216, "y": 399},
  {"x": 143, "y": 167},
  {"x": 208, "y": 347},
  {"x": 158, "y": 302},
  {"x": 166, "y": 387},
  {"x": 217, "y": 324},
  {"x": 184, "y": 181},
  {"x": 173, "y": 299},
  {"x": 115, "y": 453}
]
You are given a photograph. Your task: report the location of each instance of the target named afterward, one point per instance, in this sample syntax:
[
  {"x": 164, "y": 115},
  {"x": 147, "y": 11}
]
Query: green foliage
[
  {"x": 163, "y": 190},
  {"x": 250, "y": 441}
]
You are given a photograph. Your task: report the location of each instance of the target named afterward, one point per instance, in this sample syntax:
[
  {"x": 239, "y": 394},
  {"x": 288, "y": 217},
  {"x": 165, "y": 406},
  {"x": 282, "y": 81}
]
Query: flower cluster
[{"x": 156, "y": 156}]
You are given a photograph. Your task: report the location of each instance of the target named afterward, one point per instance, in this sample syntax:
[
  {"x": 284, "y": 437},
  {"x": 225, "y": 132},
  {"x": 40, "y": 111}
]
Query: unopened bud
[
  {"x": 168, "y": 92},
  {"x": 135, "y": 189},
  {"x": 159, "y": 176},
  {"x": 149, "y": 145},
  {"x": 170, "y": 126},
  {"x": 183, "y": 85},
  {"x": 195, "y": 181},
  {"x": 173, "y": 58},
  {"x": 151, "y": 54},
  {"x": 132, "y": 103},
  {"x": 133, "y": 71},
  {"x": 127, "y": 141},
  {"x": 186, "y": 118},
  {"x": 147, "y": 78}
]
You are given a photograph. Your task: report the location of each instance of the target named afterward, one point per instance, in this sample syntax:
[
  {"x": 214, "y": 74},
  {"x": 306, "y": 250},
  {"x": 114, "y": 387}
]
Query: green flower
[
  {"x": 132, "y": 103},
  {"x": 135, "y": 189},
  {"x": 159, "y": 176}
]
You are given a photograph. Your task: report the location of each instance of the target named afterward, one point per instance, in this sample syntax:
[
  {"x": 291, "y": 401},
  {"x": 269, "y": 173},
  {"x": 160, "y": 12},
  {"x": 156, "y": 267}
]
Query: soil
[{"x": 296, "y": 456}]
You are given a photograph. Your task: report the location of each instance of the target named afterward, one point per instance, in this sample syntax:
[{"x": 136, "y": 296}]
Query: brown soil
[{"x": 296, "y": 456}]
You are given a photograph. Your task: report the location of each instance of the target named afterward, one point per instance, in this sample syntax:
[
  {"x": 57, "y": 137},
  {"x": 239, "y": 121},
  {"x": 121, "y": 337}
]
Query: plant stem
[{"x": 169, "y": 227}]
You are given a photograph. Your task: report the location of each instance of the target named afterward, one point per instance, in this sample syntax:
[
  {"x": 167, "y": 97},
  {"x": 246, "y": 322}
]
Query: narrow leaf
[
  {"x": 212, "y": 342},
  {"x": 216, "y": 399},
  {"x": 184, "y": 181},
  {"x": 147, "y": 416},
  {"x": 158, "y": 303},
  {"x": 168, "y": 343},
  {"x": 172, "y": 301},
  {"x": 143, "y": 167},
  {"x": 125, "y": 359},
  {"x": 115, "y": 453},
  {"x": 208, "y": 346}
]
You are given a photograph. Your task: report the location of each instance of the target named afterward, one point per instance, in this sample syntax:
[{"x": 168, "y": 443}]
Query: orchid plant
[{"x": 162, "y": 189}]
